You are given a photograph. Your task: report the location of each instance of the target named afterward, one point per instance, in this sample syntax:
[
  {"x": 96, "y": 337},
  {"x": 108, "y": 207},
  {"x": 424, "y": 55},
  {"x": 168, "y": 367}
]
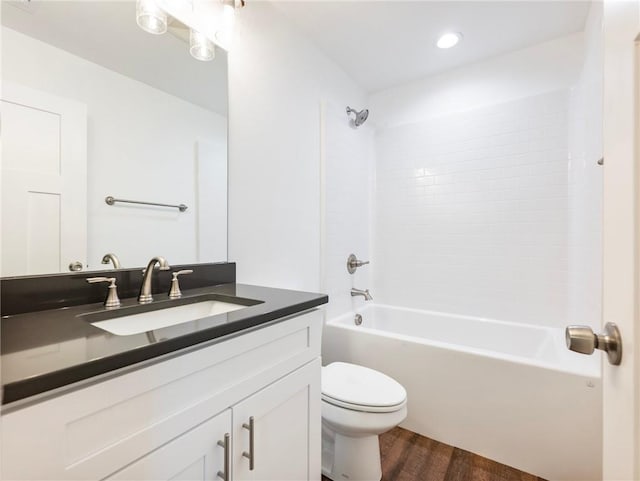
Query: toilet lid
[{"x": 360, "y": 386}]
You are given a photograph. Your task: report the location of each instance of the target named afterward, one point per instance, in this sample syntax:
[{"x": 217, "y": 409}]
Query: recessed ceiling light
[{"x": 449, "y": 40}]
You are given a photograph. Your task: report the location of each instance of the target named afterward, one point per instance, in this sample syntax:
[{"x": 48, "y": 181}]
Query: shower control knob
[
  {"x": 583, "y": 340},
  {"x": 353, "y": 263}
]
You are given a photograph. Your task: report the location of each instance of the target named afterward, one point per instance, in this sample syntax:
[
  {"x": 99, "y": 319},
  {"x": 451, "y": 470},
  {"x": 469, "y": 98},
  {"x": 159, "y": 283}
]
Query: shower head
[{"x": 361, "y": 116}]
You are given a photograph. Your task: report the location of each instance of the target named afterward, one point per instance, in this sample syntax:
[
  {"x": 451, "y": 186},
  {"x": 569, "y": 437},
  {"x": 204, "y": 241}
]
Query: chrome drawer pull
[
  {"x": 250, "y": 455},
  {"x": 227, "y": 455}
]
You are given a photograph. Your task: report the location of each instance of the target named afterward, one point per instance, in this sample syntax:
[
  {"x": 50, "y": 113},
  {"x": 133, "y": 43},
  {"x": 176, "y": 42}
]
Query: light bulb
[
  {"x": 228, "y": 7},
  {"x": 201, "y": 47},
  {"x": 224, "y": 33},
  {"x": 150, "y": 17}
]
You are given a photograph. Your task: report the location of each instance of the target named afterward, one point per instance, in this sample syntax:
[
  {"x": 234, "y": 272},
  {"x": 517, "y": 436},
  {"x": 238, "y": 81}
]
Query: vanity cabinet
[
  {"x": 282, "y": 429},
  {"x": 164, "y": 421}
]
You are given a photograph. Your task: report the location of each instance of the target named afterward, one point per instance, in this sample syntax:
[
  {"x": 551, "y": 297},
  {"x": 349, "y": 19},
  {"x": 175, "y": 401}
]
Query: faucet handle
[
  {"x": 179, "y": 273},
  {"x": 353, "y": 263},
  {"x": 112, "y": 297},
  {"x": 174, "y": 292},
  {"x": 93, "y": 280}
]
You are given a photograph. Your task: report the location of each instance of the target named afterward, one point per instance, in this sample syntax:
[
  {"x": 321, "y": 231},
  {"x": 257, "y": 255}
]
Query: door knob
[{"x": 583, "y": 340}]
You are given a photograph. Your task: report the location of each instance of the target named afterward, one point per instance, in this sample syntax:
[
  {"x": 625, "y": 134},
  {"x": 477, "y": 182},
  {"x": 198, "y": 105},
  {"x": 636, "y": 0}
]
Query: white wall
[
  {"x": 348, "y": 168},
  {"x": 542, "y": 68},
  {"x": 141, "y": 145},
  {"x": 585, "y": 181},
  {"x": 277, "y": 81},
  {"x": 471, "y": 212},
  {"x": 472, "y": 187}
]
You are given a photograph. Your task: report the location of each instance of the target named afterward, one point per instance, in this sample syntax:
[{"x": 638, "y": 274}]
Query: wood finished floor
[{"x": 407, "y": 456}]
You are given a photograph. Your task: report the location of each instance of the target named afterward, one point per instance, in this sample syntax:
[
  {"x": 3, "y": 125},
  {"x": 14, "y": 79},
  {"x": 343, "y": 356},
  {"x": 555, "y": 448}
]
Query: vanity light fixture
[
  {"x": 236, "y": 4},
  {"x": 229, "y": 6},
  {"x": 200, "y": 47},
  {"x": 185, "y": 5},
  {"x": 150, "y": 17},
  {"x": 225, "y": 30},
  {"x": 449, "y": 40}
]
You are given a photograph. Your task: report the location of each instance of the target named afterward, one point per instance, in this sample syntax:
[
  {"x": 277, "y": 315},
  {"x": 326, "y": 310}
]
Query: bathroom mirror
[{"x": 95, "y": 107}]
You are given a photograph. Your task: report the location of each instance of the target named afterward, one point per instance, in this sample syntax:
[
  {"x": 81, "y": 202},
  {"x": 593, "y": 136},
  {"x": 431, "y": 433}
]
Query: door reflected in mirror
[{"x": 94, "y": 107}]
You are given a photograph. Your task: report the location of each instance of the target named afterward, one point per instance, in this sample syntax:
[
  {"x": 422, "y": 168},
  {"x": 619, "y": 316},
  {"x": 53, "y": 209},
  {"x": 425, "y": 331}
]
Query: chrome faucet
[
  {"x": 145, "y": 289},
  {"x": 110, "y": 257},
  {"x": 358, "y": 292}
]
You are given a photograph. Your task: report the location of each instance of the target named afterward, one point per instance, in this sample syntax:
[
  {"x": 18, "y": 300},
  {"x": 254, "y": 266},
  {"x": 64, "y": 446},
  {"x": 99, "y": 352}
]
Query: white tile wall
[
  {"x": 585, "y": 182},
  {"x": 472, "y": 212},
  {"x": 348, "y": 190}
]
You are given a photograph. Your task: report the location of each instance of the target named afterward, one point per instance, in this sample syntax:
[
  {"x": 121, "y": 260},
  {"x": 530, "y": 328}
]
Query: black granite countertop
[{"x": 49, "y": 349}]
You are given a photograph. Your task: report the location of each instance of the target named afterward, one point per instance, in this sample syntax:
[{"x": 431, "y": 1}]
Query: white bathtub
[{"x": 510, "y": 392}]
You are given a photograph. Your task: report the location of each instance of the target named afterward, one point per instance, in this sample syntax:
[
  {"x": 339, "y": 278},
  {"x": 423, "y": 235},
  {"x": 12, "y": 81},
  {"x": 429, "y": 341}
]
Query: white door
[
  {"x": 44, "y": 182},
  {"x": 286, "y": 435},
  {"x": 194, "y": 456},
  {"x": 621, "y": 242}
]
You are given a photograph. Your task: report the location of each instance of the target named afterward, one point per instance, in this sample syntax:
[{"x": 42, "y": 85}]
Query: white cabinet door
[
  {"x": 193, "y": 456},
  {"x": 286, "y": 429},
  {"x": 44, "y": 181}
]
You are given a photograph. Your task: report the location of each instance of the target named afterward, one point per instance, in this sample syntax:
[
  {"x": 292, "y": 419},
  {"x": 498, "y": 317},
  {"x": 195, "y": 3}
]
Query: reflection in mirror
[{"x": 93, "y": 106}]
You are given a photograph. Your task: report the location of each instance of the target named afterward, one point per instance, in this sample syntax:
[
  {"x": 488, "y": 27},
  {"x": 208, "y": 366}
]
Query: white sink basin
[{"x": 149, "y": 321}]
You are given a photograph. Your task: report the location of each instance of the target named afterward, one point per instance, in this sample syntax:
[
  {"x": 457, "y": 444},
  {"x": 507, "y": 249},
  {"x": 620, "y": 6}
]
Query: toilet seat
[
  {"x": 359, "y": 388},
  {"x": 364, "y": 408}
]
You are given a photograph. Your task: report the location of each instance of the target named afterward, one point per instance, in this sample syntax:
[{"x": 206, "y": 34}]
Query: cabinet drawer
[
  {"x": 91, "y": 432},
  {"x": 193, "y": 456}
]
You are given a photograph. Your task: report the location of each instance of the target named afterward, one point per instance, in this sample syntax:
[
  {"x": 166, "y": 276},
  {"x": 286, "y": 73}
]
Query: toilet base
[{"x": 350, "y": 458}]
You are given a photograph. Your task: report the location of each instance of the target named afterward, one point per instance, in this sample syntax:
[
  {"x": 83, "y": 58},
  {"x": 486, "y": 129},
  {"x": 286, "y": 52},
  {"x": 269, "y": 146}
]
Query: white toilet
[{"x": 358, "y": 404}]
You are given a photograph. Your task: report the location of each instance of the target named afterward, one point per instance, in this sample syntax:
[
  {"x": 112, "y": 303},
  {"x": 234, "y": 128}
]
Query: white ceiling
[
  {"x": 381, "y": 44},
  {"x": 106, "y": 33}
]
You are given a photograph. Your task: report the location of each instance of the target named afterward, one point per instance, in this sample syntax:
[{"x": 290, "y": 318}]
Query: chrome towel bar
[{"x": 112, "y": 200}]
